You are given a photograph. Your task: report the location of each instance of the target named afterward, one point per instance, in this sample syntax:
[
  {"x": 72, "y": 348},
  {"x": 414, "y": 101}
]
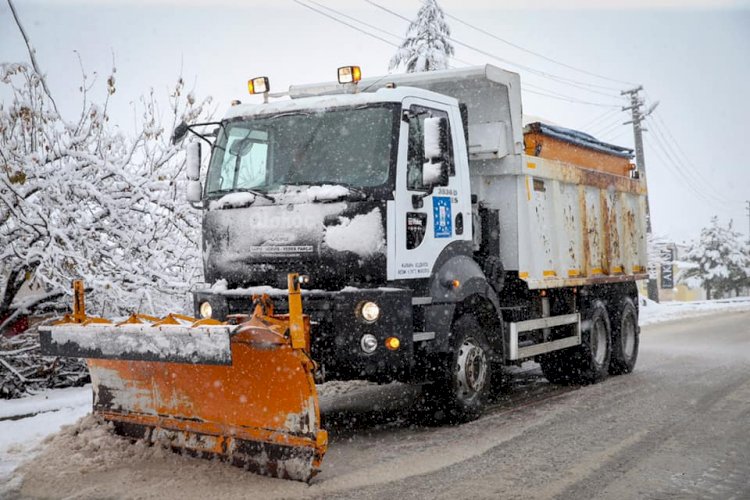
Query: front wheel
[{"x": 460, "y": 392}]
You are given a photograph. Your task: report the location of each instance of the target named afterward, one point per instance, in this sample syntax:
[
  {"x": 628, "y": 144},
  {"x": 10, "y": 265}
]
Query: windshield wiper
[{"x": 245, "y": 190}]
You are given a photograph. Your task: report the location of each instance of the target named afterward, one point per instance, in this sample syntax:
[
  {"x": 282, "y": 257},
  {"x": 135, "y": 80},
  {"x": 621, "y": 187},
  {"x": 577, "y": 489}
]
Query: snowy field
[{"x": 27, "y": 424}]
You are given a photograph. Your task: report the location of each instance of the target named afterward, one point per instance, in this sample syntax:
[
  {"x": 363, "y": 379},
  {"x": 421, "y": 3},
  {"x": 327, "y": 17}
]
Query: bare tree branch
[{"x": 32, "y": 55}]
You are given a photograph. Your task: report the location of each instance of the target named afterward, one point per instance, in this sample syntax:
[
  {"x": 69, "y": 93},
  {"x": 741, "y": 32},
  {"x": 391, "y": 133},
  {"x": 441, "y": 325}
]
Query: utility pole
[{"x": 638, "y": 115}]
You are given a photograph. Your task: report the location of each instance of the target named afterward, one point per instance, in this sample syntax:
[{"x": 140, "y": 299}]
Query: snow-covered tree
[
  {"x": 80, "y": 199},
  {"x": 722, "y": 259},
  {"x": 427, "y": 45}
]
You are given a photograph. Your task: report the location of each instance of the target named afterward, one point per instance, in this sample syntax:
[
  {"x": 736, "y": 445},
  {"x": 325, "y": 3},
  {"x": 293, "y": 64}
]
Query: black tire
[
  {"x": 462, "y": 386},
  {"x": 589, "y": 362},
  {"x": 625, "y": 339}
]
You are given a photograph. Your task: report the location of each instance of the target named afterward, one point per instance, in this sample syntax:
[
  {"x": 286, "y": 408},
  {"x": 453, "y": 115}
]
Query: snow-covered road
[{"x": 381, "y": 448}]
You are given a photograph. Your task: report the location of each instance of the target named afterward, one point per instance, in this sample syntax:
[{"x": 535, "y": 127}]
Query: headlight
[
  {"x": 370, "y": 311},
  {"x": 206, "y": 310},
  {"x": 368, "y": 343}
]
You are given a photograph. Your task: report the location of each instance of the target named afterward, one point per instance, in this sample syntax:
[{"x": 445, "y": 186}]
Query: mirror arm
[{"x": 201, "y": 136}]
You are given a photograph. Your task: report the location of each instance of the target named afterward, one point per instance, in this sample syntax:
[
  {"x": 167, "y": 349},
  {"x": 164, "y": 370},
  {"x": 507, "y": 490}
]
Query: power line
[
  {"x": 668, "y": 160},
  {"x": 616, "y": 137},
  {"x": 665, "y": 161},
  {"x": 609, "y": 126},
  {"x": 544, "y": 74},
  {"x": 537, "y": 54},
  {"x": 599, "y": 119},
  {"x": 685, "y": 170},
  {"x": 680, "y": 153},
  {"x": 528, "y": 87},
  {"x": 346, "y": 24},
  {"x": 540, "y": 90},
  {"x": 352, "y": 18}
]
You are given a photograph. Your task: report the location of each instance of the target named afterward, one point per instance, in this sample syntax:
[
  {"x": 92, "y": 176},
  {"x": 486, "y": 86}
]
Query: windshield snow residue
[{"x": 349, "y": 146}]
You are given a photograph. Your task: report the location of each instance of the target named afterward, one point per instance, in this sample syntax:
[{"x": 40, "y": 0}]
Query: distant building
[{"x": 670, "y": 276}]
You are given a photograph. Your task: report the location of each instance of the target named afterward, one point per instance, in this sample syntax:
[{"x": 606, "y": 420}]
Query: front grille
[{"x": 319, "y": 308}]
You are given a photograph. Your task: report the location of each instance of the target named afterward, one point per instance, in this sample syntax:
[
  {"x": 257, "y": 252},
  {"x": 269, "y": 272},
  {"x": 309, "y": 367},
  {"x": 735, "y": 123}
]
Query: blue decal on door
[{"x": 441, "y": 210}]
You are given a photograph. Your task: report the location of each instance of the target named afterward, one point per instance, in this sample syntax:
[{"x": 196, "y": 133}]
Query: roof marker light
[
  {"x": 350, "y": 74},
  {"x": 258, "y": 85}
]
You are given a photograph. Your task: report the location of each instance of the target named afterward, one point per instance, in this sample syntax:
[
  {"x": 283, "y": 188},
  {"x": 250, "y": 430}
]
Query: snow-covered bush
[
  {"x": 81, "y": 199},
  {"x": 427, "y": 45},
  {"x": 722, "y": 258}
]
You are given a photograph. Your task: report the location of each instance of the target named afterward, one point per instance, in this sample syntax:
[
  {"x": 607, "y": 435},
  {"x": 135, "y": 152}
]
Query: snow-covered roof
[
  {"x": 331, "y": 101},
  {"x": 578, "y": 138}
]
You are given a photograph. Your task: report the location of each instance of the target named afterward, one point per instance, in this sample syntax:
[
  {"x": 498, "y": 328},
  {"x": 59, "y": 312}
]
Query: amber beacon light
[
  {"x": 258, "y": 85},
  {"x": 350, "y": 74}
]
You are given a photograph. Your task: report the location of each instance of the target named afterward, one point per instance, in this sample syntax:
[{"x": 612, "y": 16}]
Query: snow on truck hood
[
  {"x": 261, "y": 231},
  {"x": 290, "y": 194}
]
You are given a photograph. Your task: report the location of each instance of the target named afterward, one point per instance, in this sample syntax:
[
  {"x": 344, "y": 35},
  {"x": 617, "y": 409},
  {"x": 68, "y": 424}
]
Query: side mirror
[
  {"x": 193, "y": 167},
  {"x": 179, "y": 133},
  {"x": 194, "y": 191},
  {"x": 435, "y": 138},
  {"x": 193, "y": 161},
  {"x": 434, "y": 174}
]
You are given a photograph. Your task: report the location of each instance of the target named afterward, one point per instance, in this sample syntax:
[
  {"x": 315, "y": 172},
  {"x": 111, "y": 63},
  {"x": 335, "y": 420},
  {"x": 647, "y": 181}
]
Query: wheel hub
[
  {"x": 472, "y": 369},
  {"x": 628, "y": 338},
  {"x": 599, "y": 342}
]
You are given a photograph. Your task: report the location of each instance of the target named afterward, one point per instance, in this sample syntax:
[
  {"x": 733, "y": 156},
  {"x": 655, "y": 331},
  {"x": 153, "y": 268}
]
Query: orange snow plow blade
[{"x": 243, "y": 392}]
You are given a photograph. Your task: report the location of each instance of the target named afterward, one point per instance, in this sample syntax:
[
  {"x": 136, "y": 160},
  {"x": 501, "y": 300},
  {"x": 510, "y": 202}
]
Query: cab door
[{"x": 432, "y": 205}]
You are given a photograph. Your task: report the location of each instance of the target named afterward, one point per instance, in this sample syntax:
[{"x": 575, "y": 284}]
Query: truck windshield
[{"x": 349, "y": 146}]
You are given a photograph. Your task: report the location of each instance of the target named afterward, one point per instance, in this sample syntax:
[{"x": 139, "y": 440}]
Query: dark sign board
[{"x": 667, "y": 269}]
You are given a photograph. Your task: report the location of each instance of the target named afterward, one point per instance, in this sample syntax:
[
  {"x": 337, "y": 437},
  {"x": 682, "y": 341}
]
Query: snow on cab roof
[{"x": 317, "y": 102}]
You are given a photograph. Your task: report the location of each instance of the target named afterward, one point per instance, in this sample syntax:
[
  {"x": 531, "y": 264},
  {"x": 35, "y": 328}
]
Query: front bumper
[{"x": 337, "y": 328}]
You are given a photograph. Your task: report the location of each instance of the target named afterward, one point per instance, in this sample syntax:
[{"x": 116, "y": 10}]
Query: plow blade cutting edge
[{"x": 244, "y": 393}]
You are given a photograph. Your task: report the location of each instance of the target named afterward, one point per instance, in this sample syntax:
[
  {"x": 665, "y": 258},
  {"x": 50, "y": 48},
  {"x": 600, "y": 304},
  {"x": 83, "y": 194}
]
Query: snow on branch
[
  {"x": 427, "y": 44},
  {"x": 80, "y": 200},
  {"x": 722, "y": 260}
]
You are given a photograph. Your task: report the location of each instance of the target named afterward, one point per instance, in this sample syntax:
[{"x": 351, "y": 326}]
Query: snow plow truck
[{"x": 429, "y": 235}]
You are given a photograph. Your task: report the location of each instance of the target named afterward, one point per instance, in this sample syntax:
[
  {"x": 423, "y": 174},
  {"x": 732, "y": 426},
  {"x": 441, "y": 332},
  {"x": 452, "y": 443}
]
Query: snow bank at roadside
[
  {"x": 22, "y": 436},
  {"x": 652, "y": 312}
]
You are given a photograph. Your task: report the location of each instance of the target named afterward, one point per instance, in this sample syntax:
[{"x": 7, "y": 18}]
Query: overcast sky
[{"x": 691, "y": 55}]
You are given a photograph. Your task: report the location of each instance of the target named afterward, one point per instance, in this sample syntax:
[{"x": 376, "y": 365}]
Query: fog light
[
  {"x": 206, "y": 310},
  {"x": 370, "y": 311},
  {"x": 368, "y": 343},
  {"x": 392, "y": 343}
]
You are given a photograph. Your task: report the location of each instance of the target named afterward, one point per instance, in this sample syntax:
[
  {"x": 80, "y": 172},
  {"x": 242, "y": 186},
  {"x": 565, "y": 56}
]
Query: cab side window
[{"x": 415, "y": 158}]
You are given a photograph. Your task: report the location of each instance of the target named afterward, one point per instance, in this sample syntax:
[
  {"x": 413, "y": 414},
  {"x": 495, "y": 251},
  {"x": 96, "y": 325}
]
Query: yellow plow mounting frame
[{"x": 243, "y": 392}]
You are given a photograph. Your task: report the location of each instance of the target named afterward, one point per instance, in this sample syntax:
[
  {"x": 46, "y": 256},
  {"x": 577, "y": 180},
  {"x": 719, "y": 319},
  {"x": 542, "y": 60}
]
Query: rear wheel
[
  {"x": 460, "y": 392},
  {"x": 625, "y": 339},
  {"x": 589, "y": 362}
]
